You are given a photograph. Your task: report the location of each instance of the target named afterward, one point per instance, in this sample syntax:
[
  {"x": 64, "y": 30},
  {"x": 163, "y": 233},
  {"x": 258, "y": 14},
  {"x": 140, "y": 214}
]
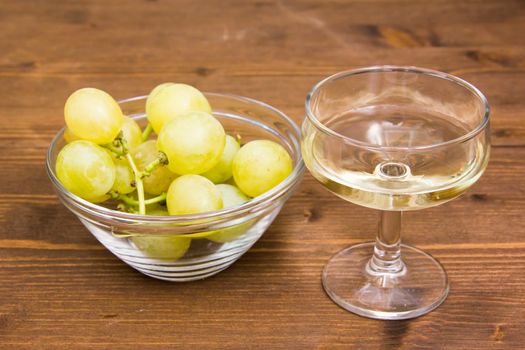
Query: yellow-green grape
[
  {"x": 231, "y": 180},
  {"x": 231, "y": 197},
  {"x": 100, "y": 199},
  {"x": 157, "y": 89},
  {"x": 157, "y": 209},
  {"x": 192, "y": 142},
  {"x": 86, "y": 170},
  {"x": 131, "y": 132},
  {"x": 93, "y": 115},
  {"x": 170, "y": 100},
  {"x": 222, "y": 171},
  {"x": 260, "y": 165},
  {"x": 192, "y": 194},
  {"x": 162, "y": 246},
  {"x": 124, "y": 177},
  {"x": 160, "y": 179},
  {"x": 155, "y": 109},
  {"x": 69, "y": 136}
]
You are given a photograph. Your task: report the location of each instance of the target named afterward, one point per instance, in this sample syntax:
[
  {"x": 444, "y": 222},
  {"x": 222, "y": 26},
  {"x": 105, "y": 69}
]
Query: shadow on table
[{"x": 394, "y": 332}]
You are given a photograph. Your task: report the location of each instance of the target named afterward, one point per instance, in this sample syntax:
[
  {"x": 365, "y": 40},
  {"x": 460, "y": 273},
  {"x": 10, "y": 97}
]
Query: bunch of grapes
[{"x": 191, "y": 166}]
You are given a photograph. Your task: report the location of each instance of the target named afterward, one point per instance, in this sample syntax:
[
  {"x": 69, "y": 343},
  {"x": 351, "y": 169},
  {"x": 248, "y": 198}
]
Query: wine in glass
[{"x": 394, "y": 139}]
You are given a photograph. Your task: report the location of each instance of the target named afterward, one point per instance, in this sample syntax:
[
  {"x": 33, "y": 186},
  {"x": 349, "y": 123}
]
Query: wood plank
[
  {"x": 59, "y": 255},
  {"x": 30, "y": 134}
]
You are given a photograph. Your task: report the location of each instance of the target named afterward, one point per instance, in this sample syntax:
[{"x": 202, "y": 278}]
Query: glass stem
[{"x": 387, "y": 250}]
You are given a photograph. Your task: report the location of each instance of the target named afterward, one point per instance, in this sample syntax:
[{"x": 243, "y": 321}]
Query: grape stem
[
  {"x": 116, "y": 149},
  {"x": 161, "y": 159},
  {"x": 147, "y": 131},
  {"x": 138, "y": 183},
  {"x": 119, "y": 147},
  {"x": 133, "y": 202},
  {"x": 127, "y": 208}
]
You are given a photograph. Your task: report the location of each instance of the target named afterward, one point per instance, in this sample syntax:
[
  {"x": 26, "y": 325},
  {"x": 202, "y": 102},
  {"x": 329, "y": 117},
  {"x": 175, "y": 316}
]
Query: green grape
[
  {"x": 222, "y": 171},
  {"x": 192, "y": 194},
  {"x": 93, "y": 115},
  {"x": 69, "y": 136},
  {"x": 192, "y": 142},
  {"x": 156, "y": 90},
  {"x": 157, "y": 209},
  {"x": 231, "y": 180},
  {"x": 124, "y": 177},
  {"x": 159, "y": 180},
  {"x": 169, "y": 100},
  {"x": 100, "y": 199},
  {"x": 231, "y": 197},
  {"x": 86, "y": 170},
  {"x": 131, "y": 132},
  {"x": 260, "y": 165},
  {"x": 231, "y": 233},
  {"x": 162, "y": 246}
]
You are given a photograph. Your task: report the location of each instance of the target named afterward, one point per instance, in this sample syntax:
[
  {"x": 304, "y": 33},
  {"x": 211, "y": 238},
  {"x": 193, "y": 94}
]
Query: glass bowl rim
[
  {"x": 394, "y": 68},
  {"x": 207, "y": 217}
]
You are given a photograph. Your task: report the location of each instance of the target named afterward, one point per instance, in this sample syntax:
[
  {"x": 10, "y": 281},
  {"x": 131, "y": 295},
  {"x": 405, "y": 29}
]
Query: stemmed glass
[{"x": 395, "y": 139}]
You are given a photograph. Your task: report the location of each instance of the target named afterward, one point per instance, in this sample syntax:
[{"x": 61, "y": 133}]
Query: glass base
[{"x": 416, "y": 290}]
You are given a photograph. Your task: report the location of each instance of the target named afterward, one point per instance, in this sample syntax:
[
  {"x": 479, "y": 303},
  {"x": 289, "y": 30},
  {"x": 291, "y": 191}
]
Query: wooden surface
[{"x": 60, "y": 289}]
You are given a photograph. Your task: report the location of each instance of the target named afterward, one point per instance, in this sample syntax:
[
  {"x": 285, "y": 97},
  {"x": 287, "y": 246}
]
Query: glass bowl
[{"x": 192, "y": 247}]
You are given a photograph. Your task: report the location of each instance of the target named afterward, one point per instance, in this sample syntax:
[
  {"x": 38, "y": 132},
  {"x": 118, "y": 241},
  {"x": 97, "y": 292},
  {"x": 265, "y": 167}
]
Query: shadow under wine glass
[{"x": 394, "y": 139}]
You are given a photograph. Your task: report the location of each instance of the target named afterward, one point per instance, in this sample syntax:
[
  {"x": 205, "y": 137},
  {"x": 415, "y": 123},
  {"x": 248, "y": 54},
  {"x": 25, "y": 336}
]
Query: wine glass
[{"x": 395, "y": 139}]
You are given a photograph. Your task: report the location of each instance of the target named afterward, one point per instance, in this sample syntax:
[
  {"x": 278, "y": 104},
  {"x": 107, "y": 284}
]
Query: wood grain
[{"x": 60, "y": 289}]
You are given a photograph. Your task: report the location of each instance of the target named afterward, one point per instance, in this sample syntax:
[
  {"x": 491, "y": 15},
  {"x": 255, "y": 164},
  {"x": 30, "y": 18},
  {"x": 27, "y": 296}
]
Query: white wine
[{"x": 387, "y": 159}]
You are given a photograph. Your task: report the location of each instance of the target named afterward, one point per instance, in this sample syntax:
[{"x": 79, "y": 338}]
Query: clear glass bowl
[{"x": 217, "y": 238}]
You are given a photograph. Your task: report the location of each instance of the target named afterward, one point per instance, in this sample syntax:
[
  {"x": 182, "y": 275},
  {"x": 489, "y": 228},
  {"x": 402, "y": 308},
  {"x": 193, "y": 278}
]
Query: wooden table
[{"x": 60, "y": 289}]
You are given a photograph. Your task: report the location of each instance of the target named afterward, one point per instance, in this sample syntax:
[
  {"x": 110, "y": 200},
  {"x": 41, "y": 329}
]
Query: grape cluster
[{"x": 191, "y": 167}]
